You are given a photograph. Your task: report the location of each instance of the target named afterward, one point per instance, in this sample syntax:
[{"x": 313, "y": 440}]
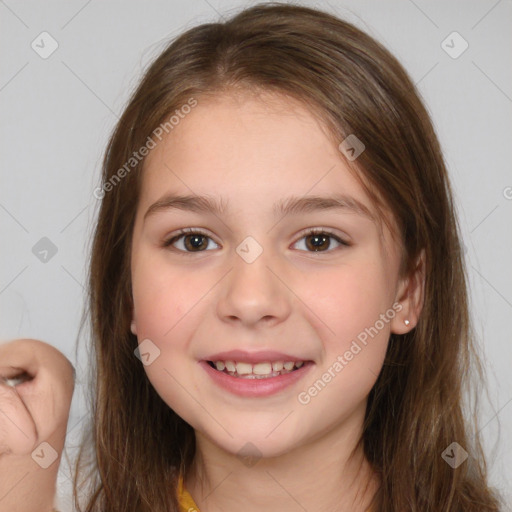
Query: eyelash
[{"x": 197, "y": 231}]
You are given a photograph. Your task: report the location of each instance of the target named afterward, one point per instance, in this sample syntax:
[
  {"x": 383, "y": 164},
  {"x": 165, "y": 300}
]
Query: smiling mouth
[{"x": 265, "y": 370}]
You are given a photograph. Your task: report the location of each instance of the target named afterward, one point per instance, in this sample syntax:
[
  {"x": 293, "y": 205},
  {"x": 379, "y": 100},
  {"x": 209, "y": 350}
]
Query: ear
[
  {"x": 410, "y": 294},
  {"x": 133, "y": 326}
]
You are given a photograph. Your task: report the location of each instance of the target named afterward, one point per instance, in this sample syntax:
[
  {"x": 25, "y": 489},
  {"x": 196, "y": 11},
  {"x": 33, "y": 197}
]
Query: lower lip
[{"x": 256, "y": 387}]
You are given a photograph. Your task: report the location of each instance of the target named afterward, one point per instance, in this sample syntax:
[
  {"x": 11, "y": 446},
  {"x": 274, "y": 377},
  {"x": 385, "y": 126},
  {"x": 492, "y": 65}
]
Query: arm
[{"x": 33, "y": 423}]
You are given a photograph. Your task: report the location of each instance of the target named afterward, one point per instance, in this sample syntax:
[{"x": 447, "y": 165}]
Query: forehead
[{"x": 248, "y": 142}]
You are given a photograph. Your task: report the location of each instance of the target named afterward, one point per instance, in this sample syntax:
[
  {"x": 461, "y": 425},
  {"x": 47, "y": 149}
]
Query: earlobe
[
  {"x": 133, "y": 326},
  {"x": 410, "y": 295}
]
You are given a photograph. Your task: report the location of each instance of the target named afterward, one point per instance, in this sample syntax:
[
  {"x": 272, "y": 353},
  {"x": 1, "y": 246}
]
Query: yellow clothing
[{"x": 187, "y": 504}]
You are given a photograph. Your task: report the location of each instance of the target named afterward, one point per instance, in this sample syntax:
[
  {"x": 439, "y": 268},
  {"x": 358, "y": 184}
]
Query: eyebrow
[{"x": 287, "y": 206}]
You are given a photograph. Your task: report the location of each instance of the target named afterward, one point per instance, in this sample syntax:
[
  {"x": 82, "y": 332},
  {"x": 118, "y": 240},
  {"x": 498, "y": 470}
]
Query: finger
[{"x": 18, "y": 433}]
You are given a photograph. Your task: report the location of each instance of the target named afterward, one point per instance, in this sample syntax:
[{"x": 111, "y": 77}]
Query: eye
[
  {"x": 320, "y": 240},
  {"x": 194, "y": 240}
]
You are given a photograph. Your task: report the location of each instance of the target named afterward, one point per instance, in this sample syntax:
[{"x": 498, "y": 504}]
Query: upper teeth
[{"x": 256, "y": 369}]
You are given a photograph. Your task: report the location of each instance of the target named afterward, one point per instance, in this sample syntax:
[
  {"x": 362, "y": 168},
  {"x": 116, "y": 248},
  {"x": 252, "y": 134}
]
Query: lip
[
  {"x": 264, "y": 356},
  {"x": 252, "y": 388}
]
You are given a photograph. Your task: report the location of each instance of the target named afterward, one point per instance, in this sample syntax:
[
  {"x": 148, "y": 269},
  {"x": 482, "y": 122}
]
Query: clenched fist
[{"x": 36, "y": 388}]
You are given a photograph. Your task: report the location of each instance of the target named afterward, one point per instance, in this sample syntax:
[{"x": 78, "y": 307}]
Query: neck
[{"x": 328, "y": 473}]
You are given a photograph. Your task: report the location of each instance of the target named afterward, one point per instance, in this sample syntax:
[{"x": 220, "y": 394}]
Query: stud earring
[{"x": 406, "y": 322}]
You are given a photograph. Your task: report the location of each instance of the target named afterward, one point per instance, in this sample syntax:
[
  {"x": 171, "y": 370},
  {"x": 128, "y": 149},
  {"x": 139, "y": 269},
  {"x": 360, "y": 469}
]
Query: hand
[{"x": 36, "y": 388}]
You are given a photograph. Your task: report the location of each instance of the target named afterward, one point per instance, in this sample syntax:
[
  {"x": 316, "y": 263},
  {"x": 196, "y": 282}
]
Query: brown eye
[
  {"x": 193, "y": 241},
  {"x": 318, "y": 240}
]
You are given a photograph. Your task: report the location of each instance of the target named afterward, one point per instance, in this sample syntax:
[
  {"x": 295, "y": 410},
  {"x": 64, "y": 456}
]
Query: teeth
[
  {"x": 278, "y": 366},
  {"x": 243, "y": 368},
  {"x": 257, "y": 371},
  {"x": 261, "y": 369}
]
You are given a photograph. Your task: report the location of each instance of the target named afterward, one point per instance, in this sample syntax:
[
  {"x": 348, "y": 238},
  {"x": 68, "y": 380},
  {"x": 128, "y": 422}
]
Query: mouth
[{"x": 263, "y": 370}]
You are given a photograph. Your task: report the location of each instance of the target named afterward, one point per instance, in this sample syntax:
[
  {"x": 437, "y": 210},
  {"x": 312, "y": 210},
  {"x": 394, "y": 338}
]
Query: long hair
[{"x": 416, "y": 408}]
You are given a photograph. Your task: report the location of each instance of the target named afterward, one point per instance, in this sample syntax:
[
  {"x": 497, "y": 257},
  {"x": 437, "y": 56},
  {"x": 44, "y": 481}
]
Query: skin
[
  {"x": 33, "y": 412},
  {"x": 253, "y": 151}
]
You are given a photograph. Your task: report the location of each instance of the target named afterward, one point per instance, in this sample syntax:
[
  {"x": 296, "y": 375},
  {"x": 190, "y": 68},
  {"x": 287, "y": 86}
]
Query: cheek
[
  {"x": 352, "y": 306},
  {"x": 168, "y": 307},
  {"x": 162, "y": 296},
  {"x": 349, "y": 298}
]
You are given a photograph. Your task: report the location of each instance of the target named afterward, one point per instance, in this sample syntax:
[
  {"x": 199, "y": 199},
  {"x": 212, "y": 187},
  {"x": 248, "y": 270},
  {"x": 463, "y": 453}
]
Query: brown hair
[{"x": 415, "y": 409}]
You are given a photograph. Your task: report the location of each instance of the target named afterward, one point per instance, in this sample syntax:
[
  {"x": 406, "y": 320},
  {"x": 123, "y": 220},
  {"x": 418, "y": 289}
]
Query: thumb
[{"x": 18, "y": 433}]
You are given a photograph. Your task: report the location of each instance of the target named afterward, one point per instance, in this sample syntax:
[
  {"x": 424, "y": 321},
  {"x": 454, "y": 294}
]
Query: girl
[{"x": 277, "y": 290}]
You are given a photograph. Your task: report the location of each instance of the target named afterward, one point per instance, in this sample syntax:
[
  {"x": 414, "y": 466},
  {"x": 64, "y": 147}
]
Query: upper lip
[{"x": 253, "y": 357}]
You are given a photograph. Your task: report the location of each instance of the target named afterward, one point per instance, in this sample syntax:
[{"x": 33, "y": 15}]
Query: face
[{"x": 252, "y": 278}]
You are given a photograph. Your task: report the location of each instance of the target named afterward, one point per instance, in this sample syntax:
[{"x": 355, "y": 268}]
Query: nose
[{"x": 255, "y": 293}]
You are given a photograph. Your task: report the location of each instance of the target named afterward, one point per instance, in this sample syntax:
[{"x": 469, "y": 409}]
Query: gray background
[{"x": 57, "y": 113}]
